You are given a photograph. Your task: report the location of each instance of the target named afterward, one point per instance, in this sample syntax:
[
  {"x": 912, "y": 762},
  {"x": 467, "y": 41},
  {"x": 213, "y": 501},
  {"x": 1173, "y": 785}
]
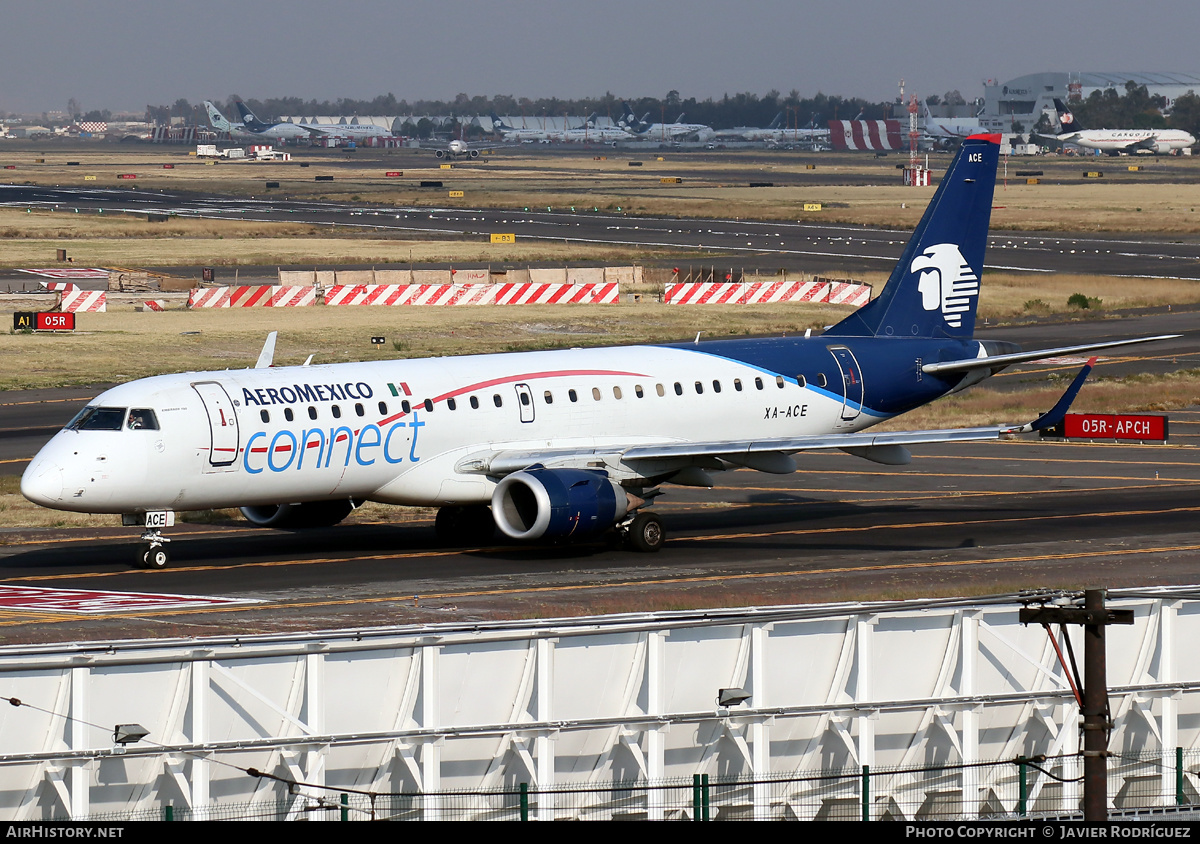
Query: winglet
[
  {"x": 1056, "y": 414},
  {"x": 266, "y": 357}
]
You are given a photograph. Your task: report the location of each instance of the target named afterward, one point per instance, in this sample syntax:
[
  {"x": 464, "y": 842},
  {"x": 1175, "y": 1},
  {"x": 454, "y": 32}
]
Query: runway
[
  {"x": 974, "y": 519},
  {"x": 739, "y": 243}
]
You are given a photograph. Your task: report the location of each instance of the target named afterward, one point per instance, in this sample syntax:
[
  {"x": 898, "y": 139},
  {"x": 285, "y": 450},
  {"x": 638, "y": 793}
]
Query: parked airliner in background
[
  {"x": 552, "y": 445},
  {"x": 522, "y": 135},
  {"x": 948, "y": 132},
  {"x": 772, "y": 131},
  {"x": 251, "y": 127},
  {"x": 676, "y": 131},
  {"x": 1117, "y": 141}
]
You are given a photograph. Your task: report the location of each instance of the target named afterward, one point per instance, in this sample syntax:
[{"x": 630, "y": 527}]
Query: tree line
[{"x": 745, "y": 109}]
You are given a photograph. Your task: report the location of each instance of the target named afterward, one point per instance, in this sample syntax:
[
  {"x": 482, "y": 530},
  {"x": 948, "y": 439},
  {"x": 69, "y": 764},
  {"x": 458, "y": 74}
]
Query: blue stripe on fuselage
[{"x": 891, "y": 376}]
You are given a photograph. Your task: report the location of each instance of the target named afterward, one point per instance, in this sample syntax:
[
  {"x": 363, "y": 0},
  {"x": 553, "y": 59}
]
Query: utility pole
[{"x": 1093, "y": 703}]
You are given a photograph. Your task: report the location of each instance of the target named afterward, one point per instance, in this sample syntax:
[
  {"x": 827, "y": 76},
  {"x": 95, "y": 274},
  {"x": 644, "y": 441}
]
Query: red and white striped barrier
[
  {"x": 527, "y": 293},
  {"x": 765, "y": 292},
  {"x": 253, "y": 296},
  {"x": 272, "y": 296},
  {"x": 72, "y": 300},
  {"x": 156, "y": 305},
  {"x": 849, "y": 294},
  {"x": 208, "y": 297},
  {"x": 705, "y": 293}
]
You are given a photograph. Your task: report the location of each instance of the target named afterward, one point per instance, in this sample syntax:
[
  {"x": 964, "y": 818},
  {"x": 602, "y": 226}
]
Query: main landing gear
[{"x": 644, "y": 532}]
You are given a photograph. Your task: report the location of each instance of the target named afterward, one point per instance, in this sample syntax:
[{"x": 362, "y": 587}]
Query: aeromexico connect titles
[{"x": 554, "y": 445}]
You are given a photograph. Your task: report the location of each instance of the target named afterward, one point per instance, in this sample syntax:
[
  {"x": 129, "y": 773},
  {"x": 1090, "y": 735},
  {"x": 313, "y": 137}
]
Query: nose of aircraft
[{"x": 42, "y": 482}]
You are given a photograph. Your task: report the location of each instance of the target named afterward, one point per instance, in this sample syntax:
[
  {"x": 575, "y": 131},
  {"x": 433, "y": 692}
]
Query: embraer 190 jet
[{"x": 554, "y": 446}]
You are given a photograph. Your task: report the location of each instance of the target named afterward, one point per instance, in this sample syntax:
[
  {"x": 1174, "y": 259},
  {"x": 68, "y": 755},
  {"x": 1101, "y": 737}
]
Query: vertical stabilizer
[
  {"x": 216, "y": 119},
  {"x": 934, "y": 289},
  {"x": 1066, "y": 120},
  {"x": 248, "y": 118}
]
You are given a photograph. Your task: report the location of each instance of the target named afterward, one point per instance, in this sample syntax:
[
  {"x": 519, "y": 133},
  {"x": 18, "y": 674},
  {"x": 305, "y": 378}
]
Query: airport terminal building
[{"x": 1016, "y": 105}]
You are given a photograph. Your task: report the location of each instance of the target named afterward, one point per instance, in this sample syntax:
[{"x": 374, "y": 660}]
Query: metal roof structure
[{"x": 426, "y": 709}]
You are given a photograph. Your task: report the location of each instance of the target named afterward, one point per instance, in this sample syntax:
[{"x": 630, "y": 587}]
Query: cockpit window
[
  {"x": 141, "y": 418},
  {"x": 98, "y": 419}
]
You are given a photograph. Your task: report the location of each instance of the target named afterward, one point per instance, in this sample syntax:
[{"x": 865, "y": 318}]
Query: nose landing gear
[{"x": 153, "y": 555}]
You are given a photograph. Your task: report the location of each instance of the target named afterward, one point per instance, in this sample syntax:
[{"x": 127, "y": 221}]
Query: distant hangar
[{"x": 1021, "y": 100}]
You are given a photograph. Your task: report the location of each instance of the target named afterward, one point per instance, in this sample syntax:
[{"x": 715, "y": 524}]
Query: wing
[{"x": 771, "y": 454}]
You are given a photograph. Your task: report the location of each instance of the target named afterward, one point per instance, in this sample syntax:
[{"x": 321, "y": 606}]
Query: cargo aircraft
[
  {"x": 548, "y": 446},
  {"x": 1117, "y": 141}
]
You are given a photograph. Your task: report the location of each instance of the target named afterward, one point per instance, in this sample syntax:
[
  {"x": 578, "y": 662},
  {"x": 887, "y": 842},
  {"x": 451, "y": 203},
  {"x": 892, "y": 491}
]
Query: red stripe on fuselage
[{"x": 515, "y": 379}]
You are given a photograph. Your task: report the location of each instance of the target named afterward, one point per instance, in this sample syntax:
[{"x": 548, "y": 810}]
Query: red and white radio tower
[{"x": 915, "y": 174}]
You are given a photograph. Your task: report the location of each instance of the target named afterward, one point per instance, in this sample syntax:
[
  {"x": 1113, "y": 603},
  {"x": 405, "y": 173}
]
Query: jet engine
[
  {"x": 557, "y": 504},
  {"x": 313, "y": 514}
]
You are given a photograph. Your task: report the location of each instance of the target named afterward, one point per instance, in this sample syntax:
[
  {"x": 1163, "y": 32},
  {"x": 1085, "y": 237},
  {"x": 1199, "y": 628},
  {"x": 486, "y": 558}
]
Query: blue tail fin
[
  {"x": 934, "y": 289},
  {"x": 248, "y": 118},
  {"x": 777, "y": 122}
]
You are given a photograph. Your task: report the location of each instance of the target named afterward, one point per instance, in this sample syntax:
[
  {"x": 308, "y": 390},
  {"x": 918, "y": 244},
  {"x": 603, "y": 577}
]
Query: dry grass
[{"x": 122, "y": 345}]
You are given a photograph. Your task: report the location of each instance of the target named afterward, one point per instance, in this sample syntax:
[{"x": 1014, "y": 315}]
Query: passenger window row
[
  {"x": 548, "y": 397},
  {"x": 335, "y": 410}
]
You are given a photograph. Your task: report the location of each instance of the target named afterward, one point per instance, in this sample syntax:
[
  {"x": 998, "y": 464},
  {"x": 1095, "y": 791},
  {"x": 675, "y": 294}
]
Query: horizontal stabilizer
[{"x": 997, "y": 361}]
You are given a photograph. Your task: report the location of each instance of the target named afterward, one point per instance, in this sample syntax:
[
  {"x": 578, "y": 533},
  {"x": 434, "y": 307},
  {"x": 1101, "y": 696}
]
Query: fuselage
[
  {"x": 1119, "y": 140},
  {"x": 402, "y": 431}
]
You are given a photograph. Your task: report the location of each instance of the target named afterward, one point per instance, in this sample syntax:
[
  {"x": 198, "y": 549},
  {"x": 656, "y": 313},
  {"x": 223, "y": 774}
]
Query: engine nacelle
[
  {"x": 474, "y": 153},
  {"x": 440, "y": 153},
  {"x": 557, "y": 504},
  {"x": 313, "y": 514}
]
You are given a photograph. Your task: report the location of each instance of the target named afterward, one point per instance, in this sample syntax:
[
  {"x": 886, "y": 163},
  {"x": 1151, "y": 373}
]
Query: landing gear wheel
[
  {"x": 154, "y": 557},
  {"x": 645, "y": 533}
]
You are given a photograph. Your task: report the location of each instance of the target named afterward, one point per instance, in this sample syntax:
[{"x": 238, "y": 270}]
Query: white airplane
[
  {"x": 251, "y": 127},
  {"x": 589, "y": 132},
  {"x": 948, "y": 132},
  {"x": 772, "y": 132},
  {"x": 345, "y": 131},
  {"x": 461, "y": 149},
  {"x": 553, "y": 445},
  {"x": 1117, "y": 141},
  {"x": 663, "y": 131},
  {"x": 512, "y": 133}
]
